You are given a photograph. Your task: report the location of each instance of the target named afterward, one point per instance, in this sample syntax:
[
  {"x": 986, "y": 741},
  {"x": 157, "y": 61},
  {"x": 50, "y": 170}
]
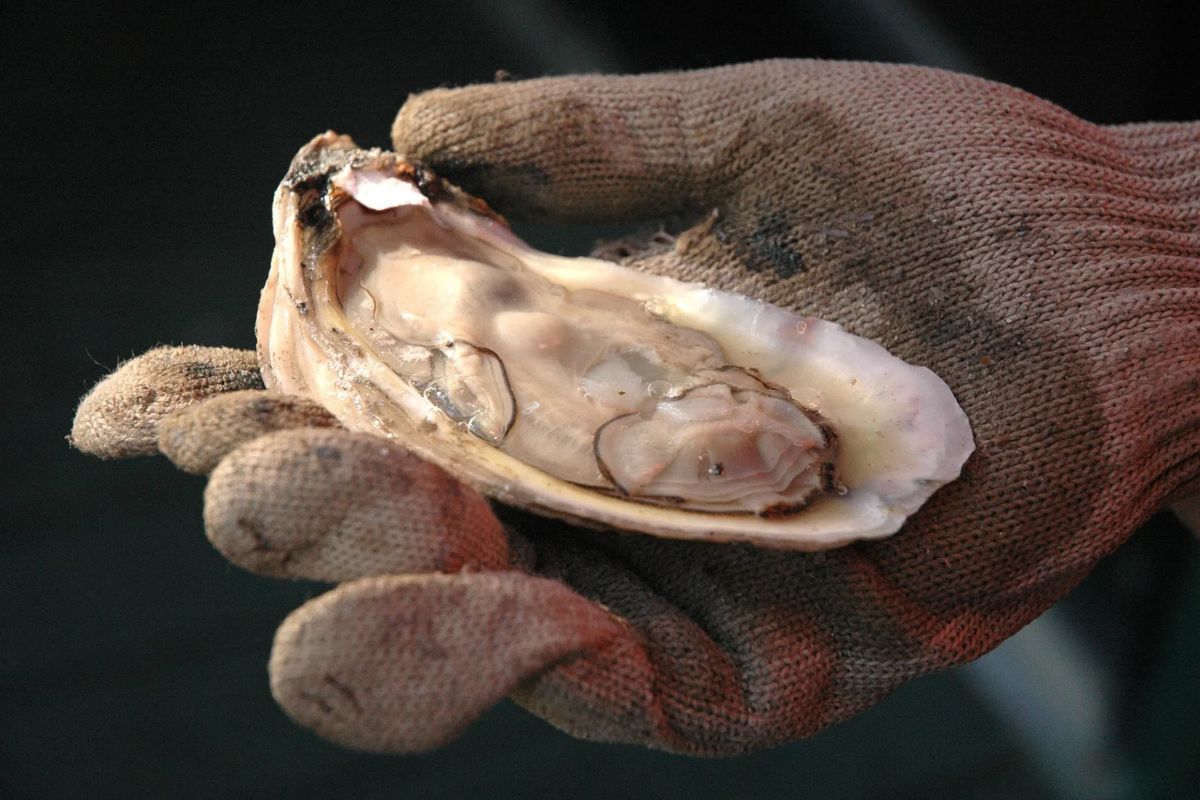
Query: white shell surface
[{"x": 900, "y": 432}]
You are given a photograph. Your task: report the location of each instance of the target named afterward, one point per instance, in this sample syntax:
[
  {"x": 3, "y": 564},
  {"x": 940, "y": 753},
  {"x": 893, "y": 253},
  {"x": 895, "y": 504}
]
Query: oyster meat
[{"x": 582, "y": 389}]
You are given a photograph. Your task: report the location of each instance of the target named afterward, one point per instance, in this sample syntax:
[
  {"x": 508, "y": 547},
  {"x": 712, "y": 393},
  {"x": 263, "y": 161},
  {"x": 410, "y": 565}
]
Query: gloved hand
[{"x": 1046, "y": 268}]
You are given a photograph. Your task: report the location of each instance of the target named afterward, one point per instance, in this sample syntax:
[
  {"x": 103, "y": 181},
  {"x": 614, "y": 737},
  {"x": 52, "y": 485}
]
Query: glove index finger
[
  {"x": 582, "y": 148},
  {"x": 120, "y": 416}
]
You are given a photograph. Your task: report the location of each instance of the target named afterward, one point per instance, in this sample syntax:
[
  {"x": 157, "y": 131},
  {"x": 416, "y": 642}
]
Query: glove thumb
[{"x": 585, "y": 148}]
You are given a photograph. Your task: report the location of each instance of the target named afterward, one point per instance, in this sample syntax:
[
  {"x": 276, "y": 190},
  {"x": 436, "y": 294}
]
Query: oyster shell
[{"x": 581, "y": 389}]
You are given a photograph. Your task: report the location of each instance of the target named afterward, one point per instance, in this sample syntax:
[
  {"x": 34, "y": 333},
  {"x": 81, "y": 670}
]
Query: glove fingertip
[
  {"x": 120, "y": 416},
  {"x": 564, "y": 149},
  {"x": 416, "y": 123},
  {"x": 197, "y": 437},
  {"x": 405, "y": 663}
]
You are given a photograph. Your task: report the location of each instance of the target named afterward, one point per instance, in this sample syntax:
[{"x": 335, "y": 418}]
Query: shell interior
[{"x": 582, "y": 389}]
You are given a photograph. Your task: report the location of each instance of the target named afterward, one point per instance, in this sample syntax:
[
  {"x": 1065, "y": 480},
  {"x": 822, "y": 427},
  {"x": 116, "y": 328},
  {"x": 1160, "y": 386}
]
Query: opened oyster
[{"x": 582, "y": 389}]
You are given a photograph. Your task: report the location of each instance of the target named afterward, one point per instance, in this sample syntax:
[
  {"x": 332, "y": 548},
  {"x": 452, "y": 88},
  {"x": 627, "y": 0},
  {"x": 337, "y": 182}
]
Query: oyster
[{"x": 581, "y": 389}]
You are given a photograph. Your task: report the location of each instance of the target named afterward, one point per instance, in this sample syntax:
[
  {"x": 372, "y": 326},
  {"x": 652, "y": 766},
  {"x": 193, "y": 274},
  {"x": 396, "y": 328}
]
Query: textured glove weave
[{"x": 1048, "y": 269}]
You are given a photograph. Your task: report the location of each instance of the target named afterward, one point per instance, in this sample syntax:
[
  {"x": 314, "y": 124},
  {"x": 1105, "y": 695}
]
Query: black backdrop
[{"x": 141, "y": 148}]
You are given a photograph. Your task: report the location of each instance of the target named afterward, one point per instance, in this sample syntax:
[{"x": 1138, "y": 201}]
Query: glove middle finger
[
  {"x": 330, "y": 505},
  {"x": 197, "y": 437}
]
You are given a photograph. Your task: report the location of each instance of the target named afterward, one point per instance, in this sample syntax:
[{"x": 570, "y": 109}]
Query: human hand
[{"x": 1046, "y": 268}]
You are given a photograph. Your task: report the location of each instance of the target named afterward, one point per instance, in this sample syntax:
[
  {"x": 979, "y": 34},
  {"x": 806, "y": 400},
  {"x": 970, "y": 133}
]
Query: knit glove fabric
[{"x": 1048, "y": 269}]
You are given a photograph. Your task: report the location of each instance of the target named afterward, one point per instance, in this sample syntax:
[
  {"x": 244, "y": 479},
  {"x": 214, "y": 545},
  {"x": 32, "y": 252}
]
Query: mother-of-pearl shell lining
[{"x": 900, "y": 432}]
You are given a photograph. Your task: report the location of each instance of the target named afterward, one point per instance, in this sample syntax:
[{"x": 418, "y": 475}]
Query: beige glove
[{"x": 1048, "y": 269}]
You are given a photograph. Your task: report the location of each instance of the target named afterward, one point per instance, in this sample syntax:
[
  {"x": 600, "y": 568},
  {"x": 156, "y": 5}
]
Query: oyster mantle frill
[{"x": 582, "y": 389}]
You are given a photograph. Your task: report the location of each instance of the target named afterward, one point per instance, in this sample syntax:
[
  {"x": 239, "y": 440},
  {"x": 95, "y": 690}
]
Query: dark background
[{"x": 141, "y": 149}]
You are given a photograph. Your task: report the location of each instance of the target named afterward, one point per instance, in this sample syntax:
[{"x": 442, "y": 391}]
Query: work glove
[{"x": 1048, "y": 269}]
